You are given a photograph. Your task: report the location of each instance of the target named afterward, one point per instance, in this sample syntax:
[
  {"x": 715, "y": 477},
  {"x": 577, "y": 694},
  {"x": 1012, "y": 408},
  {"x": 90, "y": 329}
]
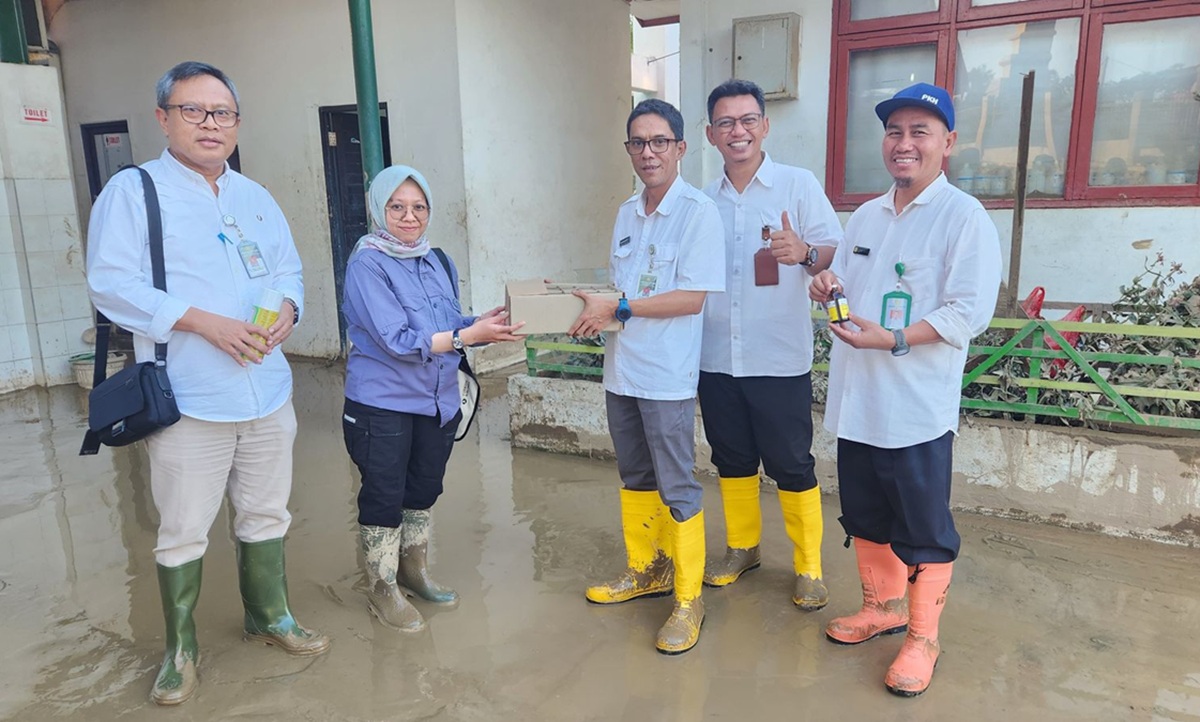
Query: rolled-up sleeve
[
  {"x": 971, "y": 283},
  {"x": 118, "y": 274}
]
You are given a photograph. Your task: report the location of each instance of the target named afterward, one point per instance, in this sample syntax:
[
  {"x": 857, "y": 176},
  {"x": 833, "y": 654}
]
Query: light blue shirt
[{"x": 202, "y": 271}]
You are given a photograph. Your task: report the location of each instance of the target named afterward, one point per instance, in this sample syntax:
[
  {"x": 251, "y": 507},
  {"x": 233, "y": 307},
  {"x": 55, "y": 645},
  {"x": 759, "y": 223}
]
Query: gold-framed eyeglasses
[
  {"x": 750, "y": 121},
  {"x": 399, "y": 210},
  {"x": 635, "y": 146},
  {"x": 196, "y": 115}
]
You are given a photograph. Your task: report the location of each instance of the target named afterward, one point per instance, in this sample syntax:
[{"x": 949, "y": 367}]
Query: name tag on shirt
[
  {"x": 252, "y": 259},
  {"x": 624, "y": 241}
]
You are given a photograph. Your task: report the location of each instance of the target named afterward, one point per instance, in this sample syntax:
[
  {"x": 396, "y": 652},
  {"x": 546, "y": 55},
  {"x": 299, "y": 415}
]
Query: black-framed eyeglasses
[
  {"x": 196, "y": 115},
  {"x": 658, "y": 145},
  {"x": 749, "y": 121}
]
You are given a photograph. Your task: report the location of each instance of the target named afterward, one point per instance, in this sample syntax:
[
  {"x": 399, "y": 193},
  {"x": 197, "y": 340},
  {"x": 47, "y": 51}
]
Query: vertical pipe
[
  {"x": 1018, "y": 222},
  {"x": 14, "y": 48},
  {"x": 363, "y": 41}
]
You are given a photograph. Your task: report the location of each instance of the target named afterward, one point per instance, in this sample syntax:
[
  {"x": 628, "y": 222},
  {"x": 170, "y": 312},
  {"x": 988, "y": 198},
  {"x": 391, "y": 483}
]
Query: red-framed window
[{"x": 1116, "y": 114}]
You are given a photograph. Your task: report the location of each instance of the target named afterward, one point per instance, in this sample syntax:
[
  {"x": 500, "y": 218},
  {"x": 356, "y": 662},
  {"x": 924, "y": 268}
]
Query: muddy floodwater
[{"x": 1041, "y": 623}]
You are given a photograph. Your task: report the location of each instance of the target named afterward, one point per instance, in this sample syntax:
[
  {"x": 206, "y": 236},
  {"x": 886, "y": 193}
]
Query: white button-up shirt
[
  {"x": 765, "y": 330},
  {"x": 679, "y": 246},
  {"x": 951, "y": 256},
  {"x": 203, "y": 271}
]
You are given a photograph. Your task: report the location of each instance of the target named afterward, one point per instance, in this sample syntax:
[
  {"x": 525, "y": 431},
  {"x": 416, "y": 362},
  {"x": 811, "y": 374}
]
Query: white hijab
[{"x": 382, "y": 188}]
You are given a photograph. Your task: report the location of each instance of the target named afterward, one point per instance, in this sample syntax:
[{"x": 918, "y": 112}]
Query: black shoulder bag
[
  {"x": 468, "y": 385},
  {"x": 138, "y": 400}
]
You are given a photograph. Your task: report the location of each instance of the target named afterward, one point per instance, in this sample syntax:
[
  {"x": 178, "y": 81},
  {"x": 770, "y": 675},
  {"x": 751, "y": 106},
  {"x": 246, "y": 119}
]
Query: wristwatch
[
  {"x": 456, "y": 341},
  {"x": 810, "y": 258},
  {"x": 901, "y": 346},
  {"x": 624, "y": 312},
  {"x": 295, "y": 311}
]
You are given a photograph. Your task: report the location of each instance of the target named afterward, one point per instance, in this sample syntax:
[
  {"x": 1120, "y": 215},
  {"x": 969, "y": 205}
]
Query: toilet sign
[{"x": 37, "y": 116}]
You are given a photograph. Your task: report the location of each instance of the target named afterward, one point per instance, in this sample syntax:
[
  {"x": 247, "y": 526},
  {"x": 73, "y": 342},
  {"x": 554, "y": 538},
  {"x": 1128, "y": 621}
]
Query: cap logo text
[{"x": 929, "y": 98}]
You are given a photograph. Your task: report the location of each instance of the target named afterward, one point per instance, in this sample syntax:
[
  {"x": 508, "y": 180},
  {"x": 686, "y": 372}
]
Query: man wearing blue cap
[{"x": 921, "y": 271}]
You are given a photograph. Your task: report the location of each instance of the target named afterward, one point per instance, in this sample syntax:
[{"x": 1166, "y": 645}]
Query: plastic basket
[{"x": 83, "y": 366}]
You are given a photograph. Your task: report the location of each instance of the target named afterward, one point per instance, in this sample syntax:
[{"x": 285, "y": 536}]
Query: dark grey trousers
[{"x": 656, "y": 449}]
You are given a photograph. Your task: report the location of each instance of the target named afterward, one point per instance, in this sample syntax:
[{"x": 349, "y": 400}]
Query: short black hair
[
  {"x": 185, "y": 71},
  {"x": 734, "y": 87},
  {"x": 661, "y": 108}
]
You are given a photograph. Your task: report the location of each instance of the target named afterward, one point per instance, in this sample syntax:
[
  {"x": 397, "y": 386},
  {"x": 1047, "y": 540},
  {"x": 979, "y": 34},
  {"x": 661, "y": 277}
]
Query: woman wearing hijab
[{"x": 406, "y": 326}]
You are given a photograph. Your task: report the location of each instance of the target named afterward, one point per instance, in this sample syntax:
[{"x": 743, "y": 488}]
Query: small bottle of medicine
[{"x": 837, "y": 306}]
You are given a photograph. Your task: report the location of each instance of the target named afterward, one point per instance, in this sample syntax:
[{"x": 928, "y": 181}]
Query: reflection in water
[{"x": 1043, "y": 623}]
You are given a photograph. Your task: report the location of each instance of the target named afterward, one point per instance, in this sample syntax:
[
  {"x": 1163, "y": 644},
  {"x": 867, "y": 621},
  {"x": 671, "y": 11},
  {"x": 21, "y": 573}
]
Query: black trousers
[
  {"x": 900, "y": 497},
  {"x": 760, "y": 418},
  {"x": 402, "y": 458}
]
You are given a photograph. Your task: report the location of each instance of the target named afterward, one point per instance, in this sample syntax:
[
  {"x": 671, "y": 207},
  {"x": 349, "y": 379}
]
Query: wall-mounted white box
[{"x": 766, "y": 50}]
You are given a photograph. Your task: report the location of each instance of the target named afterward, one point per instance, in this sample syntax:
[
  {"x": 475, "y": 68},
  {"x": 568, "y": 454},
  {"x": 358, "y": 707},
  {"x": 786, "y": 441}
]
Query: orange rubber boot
[
  {"x": 912, "y": 670},
  {"x": 884, "y": 609}
]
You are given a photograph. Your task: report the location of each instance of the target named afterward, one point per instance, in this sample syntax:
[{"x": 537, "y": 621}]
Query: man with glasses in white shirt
[
  {"x": 225, "y": 241},
  {"x": 755, "y": 384},
  {"x": 666, "y": 257},
  {"x": 921, "y": 278}
]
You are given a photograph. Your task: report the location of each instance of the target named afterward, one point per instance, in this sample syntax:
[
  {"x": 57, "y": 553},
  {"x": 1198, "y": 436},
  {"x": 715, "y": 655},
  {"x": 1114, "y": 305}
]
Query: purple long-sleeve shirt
[{"x": 393, "y": 307}]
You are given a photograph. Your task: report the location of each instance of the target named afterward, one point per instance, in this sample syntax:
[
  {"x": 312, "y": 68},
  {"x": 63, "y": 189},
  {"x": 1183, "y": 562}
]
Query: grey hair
[{"x": 184, "y": 71}]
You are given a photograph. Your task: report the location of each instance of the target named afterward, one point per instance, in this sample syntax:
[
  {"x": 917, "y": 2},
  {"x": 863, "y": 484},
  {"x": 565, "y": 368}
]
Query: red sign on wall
[{"x": 41, "y": 116}]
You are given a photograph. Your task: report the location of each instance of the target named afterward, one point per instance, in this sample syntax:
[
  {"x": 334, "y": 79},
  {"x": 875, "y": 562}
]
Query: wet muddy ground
[{"x": 1041, "y": 623}]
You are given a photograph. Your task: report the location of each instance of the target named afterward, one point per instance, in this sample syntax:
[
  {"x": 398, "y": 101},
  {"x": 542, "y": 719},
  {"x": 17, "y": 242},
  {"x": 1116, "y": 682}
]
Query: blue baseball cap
[{"x": 921, "y": 95}]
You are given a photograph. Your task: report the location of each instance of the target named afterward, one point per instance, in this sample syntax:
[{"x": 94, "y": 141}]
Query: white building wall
[
  {"x": 43, "y": 301},
  {"x": 1078, "y": 255},
  {"x": 545, "y": 95}
]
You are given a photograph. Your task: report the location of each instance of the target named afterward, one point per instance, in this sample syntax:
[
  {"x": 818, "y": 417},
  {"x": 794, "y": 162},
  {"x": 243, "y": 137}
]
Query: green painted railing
[{"x": 1109, "y": 402}]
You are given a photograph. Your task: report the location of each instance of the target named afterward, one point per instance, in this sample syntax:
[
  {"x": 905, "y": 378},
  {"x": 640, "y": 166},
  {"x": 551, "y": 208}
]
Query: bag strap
[
  {"x": 158, "y": 273},
  {"x": 446, "y": 265}
]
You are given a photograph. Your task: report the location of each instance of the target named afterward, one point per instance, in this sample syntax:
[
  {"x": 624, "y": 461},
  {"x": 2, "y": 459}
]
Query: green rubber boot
[
  {"x": 413, "y": 573},
  {"x": 177, "y": 678},
  {"x": 264, "y": 596}
]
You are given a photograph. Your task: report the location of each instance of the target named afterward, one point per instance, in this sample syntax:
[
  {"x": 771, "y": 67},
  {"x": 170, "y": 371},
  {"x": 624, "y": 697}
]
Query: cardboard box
[{"x": 551, "y": 307}]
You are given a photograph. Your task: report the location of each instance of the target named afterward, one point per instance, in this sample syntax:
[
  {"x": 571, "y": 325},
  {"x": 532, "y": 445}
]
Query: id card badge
[
  {"x": 896, "y": 308},
  {"x": 252, "y": 259},
  {"x": 647, "y": 283}
]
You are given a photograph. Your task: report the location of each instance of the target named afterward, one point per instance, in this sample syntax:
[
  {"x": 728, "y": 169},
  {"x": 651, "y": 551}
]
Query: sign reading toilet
[{"x": 37, "y": 116}]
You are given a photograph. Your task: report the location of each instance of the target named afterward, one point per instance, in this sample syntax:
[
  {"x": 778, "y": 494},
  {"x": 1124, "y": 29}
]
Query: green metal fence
[{"x": 1102, "y": 401}]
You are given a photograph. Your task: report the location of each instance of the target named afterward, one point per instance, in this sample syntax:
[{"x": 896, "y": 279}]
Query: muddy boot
[
  {"x": 177, "y": 678},
  {"x": 912, "y": 671},
  {"x": 805, "y": 527},
  {"x": 743, "y": 529},
  {"x": 268, "y": 619},
  {"x": 385, "y": 600},
  {"x": 884, "y": 609},
  {"x": 649, "y": 571},
  {"x": 682, "y": 630},
  {"x": 413, "y": 576}
]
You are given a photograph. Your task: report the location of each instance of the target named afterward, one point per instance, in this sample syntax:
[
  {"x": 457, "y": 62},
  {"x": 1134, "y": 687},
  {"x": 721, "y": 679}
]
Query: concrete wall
[
  {"x": 1078, "y": 255},
  {"x": 1121, "y": 484},
  {"x": 44, "y": 309}
]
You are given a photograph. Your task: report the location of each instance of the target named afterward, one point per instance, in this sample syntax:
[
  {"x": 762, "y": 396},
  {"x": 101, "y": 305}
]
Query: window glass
[
  {"x": 983, "y": 3},
  {"x": 870, "y": 9},
  {"x": 875, "y": 76},
  {"x": 1147, "y": 126},
  {"x": 989, "y": 77}
]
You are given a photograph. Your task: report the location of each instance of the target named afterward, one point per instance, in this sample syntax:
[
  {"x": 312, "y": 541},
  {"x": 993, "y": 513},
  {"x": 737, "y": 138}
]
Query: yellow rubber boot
[
  {"x": 743, "y": 528},
  {"x": 912, "y": 671},
  {"x": 682, "y": 630},
  {"x": 649, "y": 572},
  {"x": 805, "y": 527}
]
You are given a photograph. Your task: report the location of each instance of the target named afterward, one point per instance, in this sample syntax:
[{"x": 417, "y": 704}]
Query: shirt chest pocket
[
  {"x": 662, "y": 262},
  {"x": 922, "y": 279}
]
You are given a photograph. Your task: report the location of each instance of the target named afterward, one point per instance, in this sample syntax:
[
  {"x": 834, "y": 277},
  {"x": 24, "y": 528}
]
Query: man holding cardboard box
[
  {"x": 755, "y": 385},
  {"x": 667, "y": 254}
]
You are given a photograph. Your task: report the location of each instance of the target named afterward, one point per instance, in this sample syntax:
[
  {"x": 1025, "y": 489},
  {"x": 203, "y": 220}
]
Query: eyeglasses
[
  {"x": 398, "y": 210},
  {"x": 196, "y": 115},
  {"x": 749, "y": 122},
  {"x": 658, "y": 145}
]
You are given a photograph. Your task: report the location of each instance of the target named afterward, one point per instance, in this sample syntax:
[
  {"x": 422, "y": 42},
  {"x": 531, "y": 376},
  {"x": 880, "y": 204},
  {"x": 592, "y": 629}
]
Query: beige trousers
[{"x": 194, "y": 462}]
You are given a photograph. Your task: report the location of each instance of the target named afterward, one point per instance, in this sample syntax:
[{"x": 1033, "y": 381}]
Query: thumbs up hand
[{"x": 787, "y": 247}]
